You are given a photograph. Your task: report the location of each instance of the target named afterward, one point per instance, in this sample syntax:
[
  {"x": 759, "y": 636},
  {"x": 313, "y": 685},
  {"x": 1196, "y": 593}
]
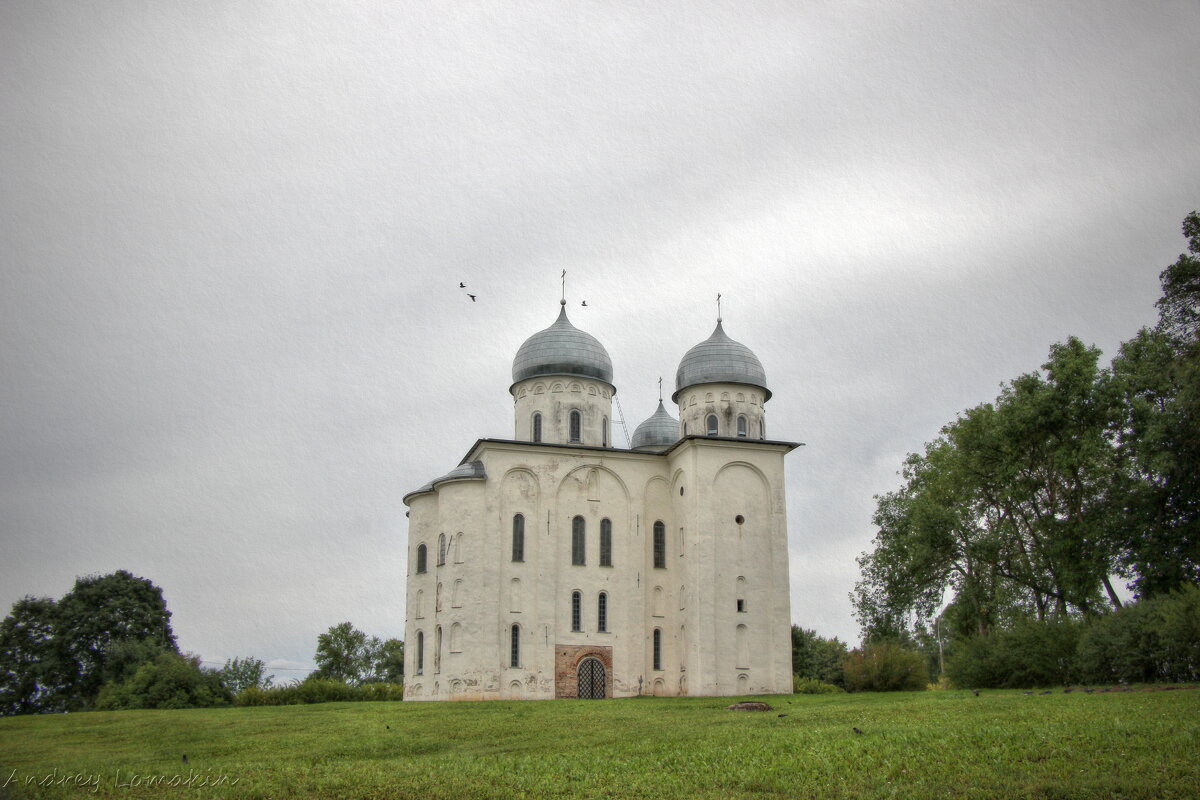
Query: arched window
[
  {"x": 458, "y": 548},
  {"x": 577, "y": 541},
  {"x": 606, "y": 543},
  {"x": 418, "y": 603},
  {"x": 437, "y": 649},
  {"x": 762, "y": 429},
  {"x": 441, "y": 549},
  {"x": 420, "y": 653},
  {"x": 437, "y": 599},
  {"x": 711, "y": 423},
  {"x": 518, "y": 540},
  {"x": 456, "y": 594},
  {"x": 741, "y": 429},
  {"x": 576, "y": 611},
  {"x": 604, "y": 432},
  {"x": 602, "y": 613},
  {"x": 421, "y": 558},
  {"x": 537, "y": 426},
  {"x": 658, "y": 648},
  {"x": 514, "y": 650},
  {"x": 741, "y": 595},
  {"x": 456, "y": 638},
  {"x": 685, "y": 428},
  {"x": 576, "y": 429},
  {"x": 660, "y": 545}
]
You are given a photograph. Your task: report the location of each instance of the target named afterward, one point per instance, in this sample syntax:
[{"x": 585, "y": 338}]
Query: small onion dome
[
  {"x": 660, "y": 430},
  {"x": 562, "y": 349},
  {"x": 719, "y": 359}
]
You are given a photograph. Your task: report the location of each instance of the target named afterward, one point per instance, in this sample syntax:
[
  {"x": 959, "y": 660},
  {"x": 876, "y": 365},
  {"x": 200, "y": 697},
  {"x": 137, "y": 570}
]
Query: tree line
[
  {"x": 108, "y": 644},
  {"x": 1027, "y": 507}
]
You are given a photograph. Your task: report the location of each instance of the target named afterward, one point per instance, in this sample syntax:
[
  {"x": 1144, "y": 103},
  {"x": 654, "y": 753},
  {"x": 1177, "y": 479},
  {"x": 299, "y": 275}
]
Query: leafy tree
[
  {"x": 817, "y": 658},
  {"x": 1158, "y": 373},
  {"x": 244, "y": 673},
  {"x": 55, "y": 656},
  {"x": 1010, "y": 509},
  {"x": 346, "y": 654},
  {"x": 31, "y": 668},
  {"x": 389, "y": 662},
  {"x": 99, "y": 614},
  {"x": 169, "y": 681}
]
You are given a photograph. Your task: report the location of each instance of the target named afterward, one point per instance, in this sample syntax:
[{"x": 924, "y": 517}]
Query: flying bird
[
  {"x": 462, "y": 285},
  {"x": 472, "y": 297},
  {"x": 584, "y": 302}
]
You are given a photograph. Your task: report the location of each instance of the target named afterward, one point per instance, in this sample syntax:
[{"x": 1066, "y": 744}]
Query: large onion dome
[
  {"x": 562, "y": 349},
  {"x": 660, "y": 430},
  {"x": 719, "y": 359}
]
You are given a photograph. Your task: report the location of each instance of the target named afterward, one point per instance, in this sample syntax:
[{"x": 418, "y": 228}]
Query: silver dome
[
  {"x": 719, "y": 359},
  {"x": 562, "y": 349},
  {"x": 660, "y": 430}
]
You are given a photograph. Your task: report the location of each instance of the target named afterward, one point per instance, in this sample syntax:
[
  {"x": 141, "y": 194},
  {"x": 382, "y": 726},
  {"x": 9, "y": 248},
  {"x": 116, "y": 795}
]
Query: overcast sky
[{"x": 231, "y": 237}]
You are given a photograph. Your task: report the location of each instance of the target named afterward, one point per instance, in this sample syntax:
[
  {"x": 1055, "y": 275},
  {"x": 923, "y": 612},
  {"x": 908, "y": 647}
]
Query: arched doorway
[{"x": 592, "y": 679}]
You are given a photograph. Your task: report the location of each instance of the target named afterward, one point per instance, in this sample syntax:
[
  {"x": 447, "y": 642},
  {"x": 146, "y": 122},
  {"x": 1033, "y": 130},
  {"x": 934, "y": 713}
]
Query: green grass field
[{"x": 921, "y": 745}]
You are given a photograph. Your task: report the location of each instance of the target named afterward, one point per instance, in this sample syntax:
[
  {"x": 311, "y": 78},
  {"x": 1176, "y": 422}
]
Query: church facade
[{"x": 556, "y": 565}]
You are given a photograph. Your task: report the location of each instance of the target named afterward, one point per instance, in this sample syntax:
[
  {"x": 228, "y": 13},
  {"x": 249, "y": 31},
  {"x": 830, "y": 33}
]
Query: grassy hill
[{"x": 920, "y": 745}]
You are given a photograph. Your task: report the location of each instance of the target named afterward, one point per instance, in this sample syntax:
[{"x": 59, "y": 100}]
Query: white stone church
[{"x": 557, "y": 565}]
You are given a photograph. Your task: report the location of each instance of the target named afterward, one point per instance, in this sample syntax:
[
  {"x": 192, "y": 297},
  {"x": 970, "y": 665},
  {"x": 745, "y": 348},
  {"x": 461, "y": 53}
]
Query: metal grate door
[{"x": 592, "y": 684}]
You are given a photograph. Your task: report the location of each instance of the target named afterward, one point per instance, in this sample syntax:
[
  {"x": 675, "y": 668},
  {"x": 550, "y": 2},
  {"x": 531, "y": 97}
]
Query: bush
[
  {"x": 884, "y": 667},
  {"x": 1152, "y": 640},
  {"x": 169, "y": 681},
  {"x": 318, "y": 690},
  {"x": 1029, "y": 654},
  {"x": 1178, "y": 624},
  {"x": 812, "y": 686}
]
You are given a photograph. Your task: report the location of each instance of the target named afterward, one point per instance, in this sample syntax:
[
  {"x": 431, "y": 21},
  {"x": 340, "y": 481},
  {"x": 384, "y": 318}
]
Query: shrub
[
  {"x": 1152, "y": 640},
  {"x": 813, "y": 686},
  {"x": 884, "y": 667},
  {"x": 1121, "y": 647},
  {"x": 1178, "y": 625},
  {"x": 318, "y": 690},
  {"x": 169, "y": 681},
  {"x": 1029, "y": 654}
]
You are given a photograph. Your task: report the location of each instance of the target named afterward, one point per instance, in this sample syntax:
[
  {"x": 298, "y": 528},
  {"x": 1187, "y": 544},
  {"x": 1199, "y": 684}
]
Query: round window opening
[{"x": 739, "y": 519}]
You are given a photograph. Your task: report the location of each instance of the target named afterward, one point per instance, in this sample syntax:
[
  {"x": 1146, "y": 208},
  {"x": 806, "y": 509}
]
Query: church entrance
[
  {"x": 583, "y": 671},
  {"x": 592, "y": 680}
]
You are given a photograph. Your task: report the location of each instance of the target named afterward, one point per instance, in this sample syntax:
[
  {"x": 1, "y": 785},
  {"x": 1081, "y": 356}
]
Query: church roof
[
  {"x": 719, "y": 359},
  {"x": 660, "y": 430},
  {"x": 470, "y": 469},
  {"x": 562, "y": 349}
]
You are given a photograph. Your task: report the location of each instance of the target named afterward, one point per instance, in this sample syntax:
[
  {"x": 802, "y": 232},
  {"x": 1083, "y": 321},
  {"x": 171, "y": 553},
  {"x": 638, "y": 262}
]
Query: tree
[
  {"x": 816, "y": 657},
  {"x": 1158, "y": 374},
  {"x": 55, "y": 656},
  {"x": 1010, "y": 510},
  {"x": 103, "y": 621},
  {"x": 389, "y": 662},
  {"x": 244, "y": 673},
  {"x": 31, "y": 669},
  {"x": 346, "y": 654}
]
